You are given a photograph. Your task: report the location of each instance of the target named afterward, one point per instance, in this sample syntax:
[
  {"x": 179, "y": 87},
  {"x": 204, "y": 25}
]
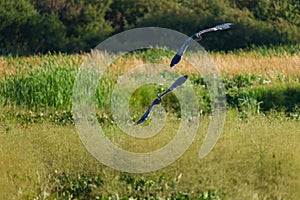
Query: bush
[
  {"x": 284, "y": 98},
  {"x": 89, "y": 186},
  {"x": 255, "y": 24},
  {"x": 84, "y": 21},
  {"x": 74, "y": 187},
  {"x": 32, "y": 26},
  {"x": 24, "y": 30}
]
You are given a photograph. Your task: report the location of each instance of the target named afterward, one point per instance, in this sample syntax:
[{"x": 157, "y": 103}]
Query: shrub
[{"x": 24, "y": 30}]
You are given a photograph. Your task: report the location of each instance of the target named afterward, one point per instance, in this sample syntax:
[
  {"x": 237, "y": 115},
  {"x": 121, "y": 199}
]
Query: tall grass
[
  {"x": 40, "y": 88},
  {"x": 271, "y": 51},
  {"x": 11, "y": 65},
  {"x": 277, "y": 68},
  {"x": 46, "y": 82},
  {"x": 257, "y": 158}
]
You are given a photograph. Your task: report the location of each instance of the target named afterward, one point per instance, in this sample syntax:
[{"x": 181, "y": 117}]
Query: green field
[{"x": 256, "y": 157}]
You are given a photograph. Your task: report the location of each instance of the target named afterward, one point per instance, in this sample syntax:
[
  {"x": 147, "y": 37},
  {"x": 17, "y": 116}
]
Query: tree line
[{"x": 39, "y": 26}]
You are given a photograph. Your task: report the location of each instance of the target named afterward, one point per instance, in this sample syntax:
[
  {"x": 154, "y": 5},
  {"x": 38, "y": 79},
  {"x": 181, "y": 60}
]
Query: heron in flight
[
  {"x": 196, "y": 36},
  {"x": 159, "y": 97}
]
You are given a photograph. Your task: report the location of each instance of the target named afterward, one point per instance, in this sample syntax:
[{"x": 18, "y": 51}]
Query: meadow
[{"x": 256, "y": 157}]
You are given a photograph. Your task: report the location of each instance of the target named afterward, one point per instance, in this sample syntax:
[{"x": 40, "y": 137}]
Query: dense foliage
[
  {"x": 38, "y": 26},
  {"x": 44, "y": 86}
]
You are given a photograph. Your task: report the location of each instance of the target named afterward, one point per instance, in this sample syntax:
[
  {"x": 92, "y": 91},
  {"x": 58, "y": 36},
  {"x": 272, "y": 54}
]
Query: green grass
[
  {"x": 51, "y": 88},
  {"x": 41, "y": 155},
  {"x": 256, "y": 158}
]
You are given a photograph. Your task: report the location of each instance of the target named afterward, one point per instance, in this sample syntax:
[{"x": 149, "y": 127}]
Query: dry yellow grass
[
  {"x": 227, "y": 64},
  {"x": 6, "y": 69},
  {"x": 11, "y": 65},
  {"x": 231, "y": 64}
]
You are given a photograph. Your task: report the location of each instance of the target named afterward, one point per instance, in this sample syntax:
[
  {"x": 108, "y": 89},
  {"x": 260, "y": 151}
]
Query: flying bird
[
  {"x": 196, "y": 36},
  {"x": 158, "y": 100}
]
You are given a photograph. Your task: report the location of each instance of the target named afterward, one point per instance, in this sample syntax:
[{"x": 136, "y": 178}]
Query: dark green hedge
[{"x": 38, "y": 26}]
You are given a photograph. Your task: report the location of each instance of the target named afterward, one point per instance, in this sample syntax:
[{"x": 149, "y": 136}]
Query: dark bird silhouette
[
  {"x": 158, "y": 100},
  {"x": 196, "y": 36}
]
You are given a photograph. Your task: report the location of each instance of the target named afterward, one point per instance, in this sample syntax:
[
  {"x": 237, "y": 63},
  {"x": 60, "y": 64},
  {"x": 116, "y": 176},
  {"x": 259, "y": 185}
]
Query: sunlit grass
[
  {"x": 256, "y": 62},
  {"x": 287, "y": 66},
  {"x": 257, "y": 158},
  {"x": 46, "y": 81}
]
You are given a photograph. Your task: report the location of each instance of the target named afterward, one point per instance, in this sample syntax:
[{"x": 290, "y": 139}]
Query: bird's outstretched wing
[
  {"x": 177, "y": 83},
  {"x": 146, "y": 114},
  {"x": 197, "y": 36}
]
